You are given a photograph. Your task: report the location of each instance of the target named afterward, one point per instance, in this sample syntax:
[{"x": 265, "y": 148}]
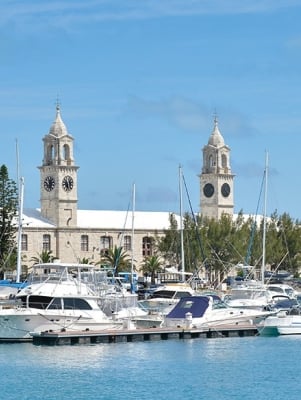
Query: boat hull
[{"x": 18, "y": 325}]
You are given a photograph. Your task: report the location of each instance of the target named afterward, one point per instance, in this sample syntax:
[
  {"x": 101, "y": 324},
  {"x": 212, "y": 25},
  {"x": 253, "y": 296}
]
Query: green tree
[
  {"x": 8, "y": 213},
  {"x": 117, "y": 258},
  {"x": 44, "y": 257},
  {"x": 169, "y": 244},
  {"x": 85, "y": 260},
  {"x": 151, "y": 266}
]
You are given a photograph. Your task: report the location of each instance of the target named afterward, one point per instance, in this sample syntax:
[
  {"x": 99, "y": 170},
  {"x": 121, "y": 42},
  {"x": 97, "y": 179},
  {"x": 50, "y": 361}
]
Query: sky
[{"x": 139, "y": 83}]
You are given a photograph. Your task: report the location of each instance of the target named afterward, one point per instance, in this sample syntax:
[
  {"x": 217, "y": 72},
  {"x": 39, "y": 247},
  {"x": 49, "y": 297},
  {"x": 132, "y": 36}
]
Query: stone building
[{"x": 72, "y": 234}]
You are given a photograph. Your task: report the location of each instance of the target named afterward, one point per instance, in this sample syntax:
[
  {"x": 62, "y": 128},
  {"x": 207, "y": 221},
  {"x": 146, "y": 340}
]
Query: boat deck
[{"x": 138, "y": 335}]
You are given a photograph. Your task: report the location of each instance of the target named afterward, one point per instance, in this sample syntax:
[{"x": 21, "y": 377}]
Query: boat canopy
[{"x": 196, "y": 305}]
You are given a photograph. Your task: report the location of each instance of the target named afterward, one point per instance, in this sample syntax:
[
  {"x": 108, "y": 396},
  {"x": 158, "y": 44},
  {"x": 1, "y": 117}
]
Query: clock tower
[
  {"x": 58, "y": 176},
  {"x": 216, "y": 179}
]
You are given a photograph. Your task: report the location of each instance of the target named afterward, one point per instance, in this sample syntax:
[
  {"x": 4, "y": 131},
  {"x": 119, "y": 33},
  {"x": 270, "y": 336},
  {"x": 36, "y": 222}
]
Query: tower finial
[
  {"x": 215, "y": 118},
  {"x": 58, "y": 104}
]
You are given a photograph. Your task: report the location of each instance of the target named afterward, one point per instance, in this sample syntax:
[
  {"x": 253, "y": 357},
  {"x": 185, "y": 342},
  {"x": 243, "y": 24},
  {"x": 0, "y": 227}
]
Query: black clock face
[
  {"x": 67, "y": 183},
  {"x": 208, "y": 190},
  {"x": 226, "y": 189},
  {"x": 49, "y": 183}
]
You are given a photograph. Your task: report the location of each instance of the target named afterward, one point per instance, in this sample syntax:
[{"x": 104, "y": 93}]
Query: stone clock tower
[
  {"x": 216, "y": 179},
  {"x": 58, "y": 176}
]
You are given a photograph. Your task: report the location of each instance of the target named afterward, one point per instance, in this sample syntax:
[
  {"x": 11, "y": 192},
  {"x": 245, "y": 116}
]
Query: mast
[
  {"x": 20, "y": 230},
  {"x": 133, "y": 232},
  {"x": 181, "y": 224},
  {"x": 20, "y": 216},
  {"x": 264, "y": 217}
]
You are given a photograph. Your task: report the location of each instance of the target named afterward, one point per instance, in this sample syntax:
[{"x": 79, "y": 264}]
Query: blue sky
[{"x": 139, "y": 83}]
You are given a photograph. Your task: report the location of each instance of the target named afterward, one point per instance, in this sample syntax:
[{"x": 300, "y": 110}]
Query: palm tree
[
  {"x": 117, "y": 258},
  {"x": 44, "y": 257},
  {"x": 151, "y": 266},
  {"x": 85, "y": 260}
]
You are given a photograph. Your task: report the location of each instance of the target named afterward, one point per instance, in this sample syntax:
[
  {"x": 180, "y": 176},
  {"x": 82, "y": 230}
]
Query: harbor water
[{"x": 193, "y": 369}]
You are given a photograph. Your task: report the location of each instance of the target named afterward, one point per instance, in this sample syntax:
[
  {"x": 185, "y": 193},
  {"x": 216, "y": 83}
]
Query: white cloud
[{"x": 68, "y": 13}]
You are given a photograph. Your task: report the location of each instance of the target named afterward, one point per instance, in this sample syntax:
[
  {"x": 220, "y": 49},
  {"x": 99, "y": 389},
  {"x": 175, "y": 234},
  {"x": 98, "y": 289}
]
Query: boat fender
[{"x": 188, "y": 320}]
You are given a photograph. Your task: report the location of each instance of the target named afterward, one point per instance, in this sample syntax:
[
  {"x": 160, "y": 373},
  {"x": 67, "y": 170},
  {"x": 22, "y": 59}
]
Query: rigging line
[
  {"x": 124, "y": 225},
  {"x": 194, "y": 220},
  {"x": 248, "y": 256},
  {"x": 283, "y": 234},
  {"x": 120, "y": 241},
  {"x": 281, "y": 261}
]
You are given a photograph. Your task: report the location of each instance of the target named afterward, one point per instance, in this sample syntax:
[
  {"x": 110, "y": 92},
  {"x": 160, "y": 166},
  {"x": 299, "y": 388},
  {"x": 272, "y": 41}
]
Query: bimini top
[{"x": 196, "y": 305}]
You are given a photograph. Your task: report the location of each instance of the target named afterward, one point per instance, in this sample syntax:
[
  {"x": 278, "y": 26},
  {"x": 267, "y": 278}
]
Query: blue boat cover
[{"x": 196, "y": 305}]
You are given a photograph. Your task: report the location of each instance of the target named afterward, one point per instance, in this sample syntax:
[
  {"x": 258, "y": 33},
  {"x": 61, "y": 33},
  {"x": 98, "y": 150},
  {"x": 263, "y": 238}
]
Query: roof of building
[
  {"x": 216, "y": 139},
  {"x": 106, "y": 219},
  {"x": 58, "y": 128}
]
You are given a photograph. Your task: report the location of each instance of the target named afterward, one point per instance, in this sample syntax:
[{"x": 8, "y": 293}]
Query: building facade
[{"x": 73, "y": 235}]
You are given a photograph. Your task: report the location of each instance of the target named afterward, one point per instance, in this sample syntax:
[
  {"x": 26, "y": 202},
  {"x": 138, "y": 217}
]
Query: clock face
[
  {"x": 226, "y": 189},
  {"x": 67, "y": 183},
  {"x": 208, "y": 190},
  {"x": 49, "y": 183}
]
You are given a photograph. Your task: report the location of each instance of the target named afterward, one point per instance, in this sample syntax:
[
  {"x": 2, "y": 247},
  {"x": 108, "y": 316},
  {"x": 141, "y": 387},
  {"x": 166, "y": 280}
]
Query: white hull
[
  {"x": 294, "y": 329},
  {"x": 217, "y": 318},
  {"x": 281, "y": 324},
  {"x": 17, "y": 326}
]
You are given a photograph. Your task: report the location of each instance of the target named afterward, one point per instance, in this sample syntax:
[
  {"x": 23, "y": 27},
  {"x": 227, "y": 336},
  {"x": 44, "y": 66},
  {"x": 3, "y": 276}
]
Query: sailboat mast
[
  {"x": 264, "y": 217},
  {"x": 133, "y": 232},
  {"x": 21, "y": 196},
  {"x": 181, "y": 223},
  {"x": 20, "y": 215}
]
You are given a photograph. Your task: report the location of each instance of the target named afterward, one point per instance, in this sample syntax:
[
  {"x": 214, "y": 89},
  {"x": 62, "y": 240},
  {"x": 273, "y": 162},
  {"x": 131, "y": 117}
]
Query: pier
[{"x": 140, "y": 335}]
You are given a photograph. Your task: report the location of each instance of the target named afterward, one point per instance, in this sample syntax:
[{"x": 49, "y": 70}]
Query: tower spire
[{"x": 215, "y": 116}]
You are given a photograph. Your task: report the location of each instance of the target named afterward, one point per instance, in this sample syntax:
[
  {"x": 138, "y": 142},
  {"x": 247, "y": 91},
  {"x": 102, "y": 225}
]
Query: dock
[{"x": 65, "y": 337}]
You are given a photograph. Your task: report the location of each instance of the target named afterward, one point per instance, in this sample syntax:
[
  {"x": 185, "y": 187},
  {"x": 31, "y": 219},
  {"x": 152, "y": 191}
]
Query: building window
[
  {"x": 106, "y": 243},
  {"x": 84, "y": 244},
  {"x": 24, "y": 242},
  {"x": 127, "y": 243},
  {"x": 147, "y": 246},
  {"x": 46, "y": 242},
  {"x": 224, "y": 161}
]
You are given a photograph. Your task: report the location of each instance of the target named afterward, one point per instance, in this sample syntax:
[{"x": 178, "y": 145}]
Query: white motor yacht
[
  {"x": 165, "y": 297},
  {"x": 55, "y": 298},
  {"x": 210, "y": 311},
  {"x": 283, "y": 323}
]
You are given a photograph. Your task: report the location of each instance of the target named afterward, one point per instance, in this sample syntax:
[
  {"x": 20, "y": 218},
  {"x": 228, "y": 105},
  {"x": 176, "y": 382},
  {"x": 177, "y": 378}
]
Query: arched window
[
  {"x": 127, "y": 243},
  {"x": 24, "y": 242},
  {"x": 84, "y": 243},
  {"x": 224, "y": 161},
  {"x": 106, "y": 243},
  {"x": 46, "y": 243},
  {"x": 147, "y": 246},
  {"x": 66, "y": 152}
]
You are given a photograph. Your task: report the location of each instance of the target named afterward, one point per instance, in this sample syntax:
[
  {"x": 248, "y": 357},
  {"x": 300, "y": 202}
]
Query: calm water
[{"x": 231, "y": 368}]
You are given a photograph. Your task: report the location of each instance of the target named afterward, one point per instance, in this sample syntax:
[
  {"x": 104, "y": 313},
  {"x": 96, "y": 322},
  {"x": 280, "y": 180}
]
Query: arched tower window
[
  {"x": 224, "y": 161},
  {"x": 66, "y": 152}
]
